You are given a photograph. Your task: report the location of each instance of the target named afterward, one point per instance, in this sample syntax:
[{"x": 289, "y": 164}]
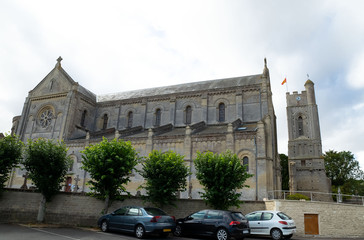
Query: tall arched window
[
  {"x": 130, "y": 119},
  {"x": 300, "y": 126},
  {"x": 158, "y": 114},
  {"x": 221, "y": 112},
  {"x": 83, "y": 118},
  {"x": 188, "y": 118},
  {"x": 104, "y": 125},
  {"x": 246, "y": 163}
]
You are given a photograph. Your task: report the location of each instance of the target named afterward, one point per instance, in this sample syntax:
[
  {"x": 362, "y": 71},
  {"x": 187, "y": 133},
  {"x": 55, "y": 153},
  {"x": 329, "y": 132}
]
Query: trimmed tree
[
  {"x": 47, "y": 163},
  {"x": 221, "y": 175},
  {"x": 110, "y": 164},
  {"x": 284, "y": 171},
  {"x": 10, "y": 155},
  {"x": 165, "y": 175}
]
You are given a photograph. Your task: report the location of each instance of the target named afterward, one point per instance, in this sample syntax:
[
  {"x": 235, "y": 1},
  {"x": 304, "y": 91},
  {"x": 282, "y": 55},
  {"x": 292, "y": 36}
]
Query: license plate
[
  {"x": 245, "y": 231},
  {"x": 167, "y": 230}
]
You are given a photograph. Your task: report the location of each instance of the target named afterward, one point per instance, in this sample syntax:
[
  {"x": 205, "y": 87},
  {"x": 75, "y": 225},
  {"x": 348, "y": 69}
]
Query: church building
[{"x": 235, "y": 114}]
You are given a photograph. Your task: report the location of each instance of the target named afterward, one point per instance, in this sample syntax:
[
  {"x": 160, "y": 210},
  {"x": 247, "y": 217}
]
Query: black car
[
  {"x": 138, "y": 220},
  {"x": 218, "y": 223}
]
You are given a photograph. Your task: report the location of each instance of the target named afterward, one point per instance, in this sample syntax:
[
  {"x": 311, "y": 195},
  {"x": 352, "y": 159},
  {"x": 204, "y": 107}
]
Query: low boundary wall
[{"x": 76, "y": 209}]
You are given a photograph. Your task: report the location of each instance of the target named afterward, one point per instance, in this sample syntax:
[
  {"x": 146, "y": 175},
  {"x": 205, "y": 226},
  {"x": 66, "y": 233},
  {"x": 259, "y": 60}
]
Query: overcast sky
[{"x": 116, "y": 46}]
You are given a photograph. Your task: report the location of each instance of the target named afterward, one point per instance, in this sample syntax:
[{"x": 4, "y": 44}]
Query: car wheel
[
  {"x": 104, "y": 226},
  {"x": 222, "y": 234},
  {"x": 276, "y": 234},
  {"x": 178, "y": 231},
  {"x": 139, "y": 231}
]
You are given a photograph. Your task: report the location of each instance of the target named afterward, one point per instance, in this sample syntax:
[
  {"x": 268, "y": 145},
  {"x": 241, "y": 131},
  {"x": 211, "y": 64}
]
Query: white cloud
[{"x": 123, "y": 45}]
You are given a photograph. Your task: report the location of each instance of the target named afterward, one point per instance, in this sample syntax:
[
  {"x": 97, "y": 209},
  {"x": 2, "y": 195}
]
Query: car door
[
  {"x": 193, "y": 223},
  {"x": 211, "y": 221},
  {"x": 254, "y": 219},
  {"x": 116, "y": 218},
  {"x": 131, "y": 218},
  {"x": 266, "y": 223}
]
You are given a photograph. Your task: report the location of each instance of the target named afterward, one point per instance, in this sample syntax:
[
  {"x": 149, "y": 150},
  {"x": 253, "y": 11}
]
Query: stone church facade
[{"x": 235, "y": 114}]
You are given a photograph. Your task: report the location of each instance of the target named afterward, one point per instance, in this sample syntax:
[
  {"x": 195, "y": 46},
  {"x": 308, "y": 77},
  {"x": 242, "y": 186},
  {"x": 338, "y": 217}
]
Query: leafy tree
[
  {"x": 353, "y": 187},
  {"x": 221, "y": 175},
  {"x": 10, "y": 155},
  {"x": 341, "y": 167},
  {"x": 109, "y": 164},
  {"x": 284, "y": 171},
  {"x": 165, "y": 175},
  {"x": 47, "y": 164}
]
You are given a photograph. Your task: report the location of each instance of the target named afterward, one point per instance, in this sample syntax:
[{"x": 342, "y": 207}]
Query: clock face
[{"x": 298, "y": 98}]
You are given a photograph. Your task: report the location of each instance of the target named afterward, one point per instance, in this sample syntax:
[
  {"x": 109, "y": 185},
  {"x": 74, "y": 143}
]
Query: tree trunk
[
  {"x": 106, "y": 206},
  {"x": 41, "y": 210}
]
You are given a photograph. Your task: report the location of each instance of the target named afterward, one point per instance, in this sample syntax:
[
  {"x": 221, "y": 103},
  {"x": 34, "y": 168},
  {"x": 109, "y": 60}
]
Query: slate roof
[{"x": 183, "y": 88}]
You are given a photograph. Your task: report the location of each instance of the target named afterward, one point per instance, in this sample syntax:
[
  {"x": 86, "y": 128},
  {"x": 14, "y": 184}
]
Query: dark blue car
[{"x": 138, "y": 220}]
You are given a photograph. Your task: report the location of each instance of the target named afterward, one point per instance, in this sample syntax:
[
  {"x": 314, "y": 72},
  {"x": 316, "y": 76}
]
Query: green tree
[
  {"x": 10, "y": 155},
  {"x": 341, "y": 167},
  {"x": 165, "y": 175},
  {"x": 221, "y": 176},
  {"x": 46, "y": 162},
  {"x": 284, "y": 171},
  {"x": 353, "y": 187},
  {"x": 110, "y": 164}
]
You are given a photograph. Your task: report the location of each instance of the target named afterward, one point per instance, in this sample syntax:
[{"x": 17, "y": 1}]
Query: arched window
[
  {"x": 83, "y": 118},
  {"x": 300, "y": 126},
  {"x": 188, "y": 113},
  {"x": 158, "y": 115},
  {"x": 130, "y": 119},
  {"x": 246, "y": 163},
  {"x": 221, "y": 112},
  {"x": 104, "y": 125}
]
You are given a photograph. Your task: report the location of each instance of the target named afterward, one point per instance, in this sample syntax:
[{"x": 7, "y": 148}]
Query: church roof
[{"x": 184, "y": 88}]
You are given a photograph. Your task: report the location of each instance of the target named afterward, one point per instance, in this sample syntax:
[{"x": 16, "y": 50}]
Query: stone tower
[{"x": 306, "y": 165}]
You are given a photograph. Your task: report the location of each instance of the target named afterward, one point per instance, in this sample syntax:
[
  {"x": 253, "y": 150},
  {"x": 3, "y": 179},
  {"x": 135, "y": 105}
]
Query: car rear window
[
  {"x": 154, "y": 211},
  {"x": 284, "y": 216},
  {"x": 237, "y": 216}
]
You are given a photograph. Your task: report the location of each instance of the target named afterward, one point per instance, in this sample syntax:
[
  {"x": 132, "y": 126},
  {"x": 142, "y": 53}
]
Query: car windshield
[
  {"x": 284, "y": 216},
  {"x": 237, "y": 216},
  {"x": 154, "y": 211}
]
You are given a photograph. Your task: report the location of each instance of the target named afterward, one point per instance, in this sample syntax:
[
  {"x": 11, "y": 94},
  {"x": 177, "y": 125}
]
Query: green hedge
[{"x": 297, "y": 196}]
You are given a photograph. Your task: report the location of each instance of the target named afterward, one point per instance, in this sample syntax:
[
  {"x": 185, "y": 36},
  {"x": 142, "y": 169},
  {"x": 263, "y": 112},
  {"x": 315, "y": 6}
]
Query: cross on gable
[{"x": 59, "y": 59}]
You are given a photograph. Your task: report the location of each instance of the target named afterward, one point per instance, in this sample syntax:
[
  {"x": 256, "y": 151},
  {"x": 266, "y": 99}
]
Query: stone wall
[
  {"x": 77, "y": 209},
  {"x": 334, "y": 220}
]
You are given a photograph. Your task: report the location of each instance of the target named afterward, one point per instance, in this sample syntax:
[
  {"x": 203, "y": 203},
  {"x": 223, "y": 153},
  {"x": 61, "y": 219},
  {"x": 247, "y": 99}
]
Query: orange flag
[{"x": 284, "y": 81}]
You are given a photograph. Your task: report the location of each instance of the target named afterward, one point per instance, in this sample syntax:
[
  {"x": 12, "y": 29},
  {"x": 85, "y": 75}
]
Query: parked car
[
  {"x": 218, "y": 223},
  {"x": 138, "y": 220},
  {"x": 274, "y": 223}
]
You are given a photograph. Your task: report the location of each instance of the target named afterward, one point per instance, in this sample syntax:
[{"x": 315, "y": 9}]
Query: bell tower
[{"x": 306, "y": 165}]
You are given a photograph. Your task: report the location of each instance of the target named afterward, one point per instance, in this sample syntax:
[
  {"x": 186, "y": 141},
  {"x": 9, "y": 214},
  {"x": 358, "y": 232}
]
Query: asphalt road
[{"x": 28, "y": 232}]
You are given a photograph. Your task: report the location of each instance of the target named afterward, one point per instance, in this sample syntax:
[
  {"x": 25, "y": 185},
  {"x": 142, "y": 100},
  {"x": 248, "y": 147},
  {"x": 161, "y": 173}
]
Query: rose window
[{"x": 45, "y": 118}]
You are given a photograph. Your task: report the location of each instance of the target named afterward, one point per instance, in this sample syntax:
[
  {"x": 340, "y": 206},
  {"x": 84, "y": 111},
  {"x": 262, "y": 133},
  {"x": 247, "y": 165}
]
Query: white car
[{"x": 274, "y": 223}]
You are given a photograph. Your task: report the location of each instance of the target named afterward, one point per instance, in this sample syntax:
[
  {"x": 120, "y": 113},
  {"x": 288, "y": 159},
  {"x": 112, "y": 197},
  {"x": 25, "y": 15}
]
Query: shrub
[{"x": 297, "y": 196}]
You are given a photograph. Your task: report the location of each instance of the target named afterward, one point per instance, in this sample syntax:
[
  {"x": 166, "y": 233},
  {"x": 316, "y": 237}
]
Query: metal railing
[{"x": 318, "y": 196}]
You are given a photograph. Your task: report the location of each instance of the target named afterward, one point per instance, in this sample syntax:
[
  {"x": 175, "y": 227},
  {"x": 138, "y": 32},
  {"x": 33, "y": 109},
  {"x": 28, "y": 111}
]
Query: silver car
[
  {"x": 276, "y": 224},
  {"x": 138, "y": 220}
]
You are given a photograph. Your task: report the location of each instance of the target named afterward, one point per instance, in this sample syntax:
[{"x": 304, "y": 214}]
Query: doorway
[{"x": 311, "y": 224}]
